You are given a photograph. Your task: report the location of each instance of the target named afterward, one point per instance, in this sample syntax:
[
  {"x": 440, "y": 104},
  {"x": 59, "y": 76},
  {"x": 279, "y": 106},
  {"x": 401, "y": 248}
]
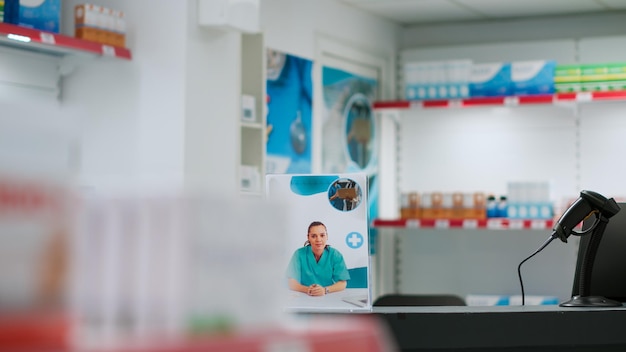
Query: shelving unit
[
  {"x": 36, "y": 331},
  {"x": 36, "y": 60},
  {"x": 52, "y": 332},
  {"x": 55, "y": 44},
  {"x": 542, "y": 132},
  {"x": 557, "y": 99},
  {"x": 560, "y": 137},
  {"x": 253, "y": 133},
  {"x": 354, "y": 333}
]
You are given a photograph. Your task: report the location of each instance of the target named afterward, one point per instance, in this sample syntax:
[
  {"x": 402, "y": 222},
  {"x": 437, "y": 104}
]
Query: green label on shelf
[
  {"x": 567, "y": 73},
  {"x": 567, "y": 87},
  {"x": 567, "y": 70}
]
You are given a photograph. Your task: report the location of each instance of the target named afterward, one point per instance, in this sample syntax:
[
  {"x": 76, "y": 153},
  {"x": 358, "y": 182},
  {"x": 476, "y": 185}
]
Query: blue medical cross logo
[{"x": 354, "y": 240}]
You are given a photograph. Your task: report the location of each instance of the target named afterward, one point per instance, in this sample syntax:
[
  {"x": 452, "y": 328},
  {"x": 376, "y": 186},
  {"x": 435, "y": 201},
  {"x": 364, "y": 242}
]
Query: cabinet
[{"x": 253, "y": 110}]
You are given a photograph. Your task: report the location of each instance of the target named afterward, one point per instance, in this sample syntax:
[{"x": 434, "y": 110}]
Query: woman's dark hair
[{"x": 314, "y": 223}]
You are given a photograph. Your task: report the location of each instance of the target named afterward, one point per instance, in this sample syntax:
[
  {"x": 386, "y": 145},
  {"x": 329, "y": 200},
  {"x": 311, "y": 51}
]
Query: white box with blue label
[
  {"x": 533, "y": 77},
  {"x": 512, "y": 300},
  {"x": 425, "y": 80},
  {"x": 486, "y": 300},
  {"x": 533, "y": 300},
  {"x": 457, "y": 78},
  {"x": 437, "y": 79},
  {"x": 44, "y": 15},
  {"x": 529, "y": 200},
  {"x": 490, "y": 79}
]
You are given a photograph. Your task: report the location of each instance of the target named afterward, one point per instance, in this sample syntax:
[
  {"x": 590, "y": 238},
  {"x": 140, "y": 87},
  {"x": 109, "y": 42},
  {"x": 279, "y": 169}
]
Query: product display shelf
[
  {"x": 46, "y": 331},
  {"x": 55, "y": 44},
  {"x": 35, "y": 331},
  {"x": 558, "y": 98},
  {"x": 339, "y": 333},
  {"x": 487, "y": 224}
]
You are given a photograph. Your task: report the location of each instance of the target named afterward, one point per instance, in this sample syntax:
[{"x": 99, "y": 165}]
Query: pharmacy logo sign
[{"x": 354, "y": 240}]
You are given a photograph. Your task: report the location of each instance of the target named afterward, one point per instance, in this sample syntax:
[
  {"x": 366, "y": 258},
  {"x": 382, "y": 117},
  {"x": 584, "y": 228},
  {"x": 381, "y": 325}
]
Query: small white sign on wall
[{"x": 247, "y": 108}]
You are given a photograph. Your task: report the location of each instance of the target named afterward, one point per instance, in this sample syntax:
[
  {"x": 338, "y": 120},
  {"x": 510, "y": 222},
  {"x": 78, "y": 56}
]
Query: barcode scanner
[{"x": 589, "y": 203}]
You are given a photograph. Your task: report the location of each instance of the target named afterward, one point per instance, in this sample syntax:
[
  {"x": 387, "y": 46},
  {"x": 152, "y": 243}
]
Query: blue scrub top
[{"x": 330, "y": 269}]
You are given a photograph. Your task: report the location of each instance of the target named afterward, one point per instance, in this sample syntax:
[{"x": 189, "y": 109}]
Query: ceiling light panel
[
  {"x": 508, "y": 8},
  {"x": 613, "y": 4},
  {"x": 412, "y": 11}
]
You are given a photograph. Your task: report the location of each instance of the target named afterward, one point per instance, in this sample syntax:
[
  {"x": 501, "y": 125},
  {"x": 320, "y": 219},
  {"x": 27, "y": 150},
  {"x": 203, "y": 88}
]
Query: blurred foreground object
[
  {"x": 34, "y": 233},
  {"x": 173, "y": 266},
  {"x": 37, "y": 159}
]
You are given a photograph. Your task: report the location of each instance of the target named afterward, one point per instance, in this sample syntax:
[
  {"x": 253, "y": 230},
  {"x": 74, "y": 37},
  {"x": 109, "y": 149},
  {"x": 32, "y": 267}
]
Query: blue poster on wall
[
  {"x": 349, "y": 132},
  {"x": 289, "y": 98}
]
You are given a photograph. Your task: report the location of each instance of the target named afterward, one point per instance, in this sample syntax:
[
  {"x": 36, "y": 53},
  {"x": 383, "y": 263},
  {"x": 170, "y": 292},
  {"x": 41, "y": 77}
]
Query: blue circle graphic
[{"x": 354, "y": 240}]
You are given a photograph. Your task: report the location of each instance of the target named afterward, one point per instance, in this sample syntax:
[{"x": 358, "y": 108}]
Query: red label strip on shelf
[
  {"x": 611, "y": 95},
  {"x": 58, "y": 43},
  {"x": 492, "y": 223},
  {"x": 580, "y": 97}
]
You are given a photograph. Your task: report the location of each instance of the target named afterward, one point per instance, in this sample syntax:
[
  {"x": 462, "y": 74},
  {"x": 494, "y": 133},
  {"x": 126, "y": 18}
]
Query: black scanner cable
[
  {"x": 519, "y": 267},
  {"x": 554, "y": 235}
]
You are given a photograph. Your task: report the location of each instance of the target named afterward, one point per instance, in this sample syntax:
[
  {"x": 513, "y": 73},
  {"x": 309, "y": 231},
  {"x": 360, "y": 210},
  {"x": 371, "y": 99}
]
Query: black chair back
[{"x": 411, "y": 300}]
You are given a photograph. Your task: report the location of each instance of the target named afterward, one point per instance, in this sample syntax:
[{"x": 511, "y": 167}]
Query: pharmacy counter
[{"x": 506, "y": 328}]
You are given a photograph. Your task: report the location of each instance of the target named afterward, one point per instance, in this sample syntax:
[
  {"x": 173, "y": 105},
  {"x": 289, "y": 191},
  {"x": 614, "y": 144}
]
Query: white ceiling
[{"x": 414, "y": 12}]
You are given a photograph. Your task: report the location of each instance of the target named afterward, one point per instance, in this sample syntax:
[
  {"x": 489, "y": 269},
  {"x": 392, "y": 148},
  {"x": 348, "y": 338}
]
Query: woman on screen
[{"x": 317, "y": 269}]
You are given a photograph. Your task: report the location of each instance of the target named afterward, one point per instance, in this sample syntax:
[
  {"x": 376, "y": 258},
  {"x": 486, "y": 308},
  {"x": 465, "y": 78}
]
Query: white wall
[
  {"x": 211, "y": 100},
  {"x": 132, "y": 113},
  {"x": 482, "y": 149},
  {"x": 503, "y": 31},
  {"x": 292, "y": 26},
  {"x": 563, "y": 51},
  {"x": 167, "y": 118}
]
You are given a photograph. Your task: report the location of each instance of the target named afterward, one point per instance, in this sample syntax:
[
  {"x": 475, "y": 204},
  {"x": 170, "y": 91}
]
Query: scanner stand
[{"x": 584, "y": 297}]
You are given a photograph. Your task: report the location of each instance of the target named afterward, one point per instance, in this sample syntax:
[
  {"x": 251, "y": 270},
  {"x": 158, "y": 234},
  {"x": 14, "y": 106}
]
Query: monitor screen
[{"x": 608, "y": 277}]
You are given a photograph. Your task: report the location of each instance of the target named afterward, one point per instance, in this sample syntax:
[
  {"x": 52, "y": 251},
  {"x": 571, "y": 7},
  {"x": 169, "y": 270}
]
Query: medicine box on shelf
[
  {"x": 100, "y": 24},
  {"x": 44, "y": 15},
  {"x": 490, "y": 79}
]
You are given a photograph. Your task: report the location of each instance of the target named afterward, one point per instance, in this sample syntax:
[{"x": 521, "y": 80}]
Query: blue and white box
[
  {"x": 529, "y": 200},
  {"x": 457, "y": 78},
  {"x": 533, "y": 300},
  {"x": 512, "y": 300},
  {"x": 490, "y": 79},
  {"x": 533, "y": 77},
  {"x": 437, "y": 79},
  {"x": 43, "y": 15},
  {"x": 487, "y": 300},
  {"x": 424, "y": 80}
]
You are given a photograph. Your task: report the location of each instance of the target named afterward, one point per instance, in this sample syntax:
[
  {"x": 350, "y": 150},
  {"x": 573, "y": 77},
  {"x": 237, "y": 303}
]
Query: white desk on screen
[{"x": 346, "y": 300}]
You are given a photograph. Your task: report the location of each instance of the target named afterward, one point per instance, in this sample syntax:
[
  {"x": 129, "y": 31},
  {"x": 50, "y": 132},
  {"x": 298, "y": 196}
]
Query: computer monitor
[{"x": 608, "y": 275}]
